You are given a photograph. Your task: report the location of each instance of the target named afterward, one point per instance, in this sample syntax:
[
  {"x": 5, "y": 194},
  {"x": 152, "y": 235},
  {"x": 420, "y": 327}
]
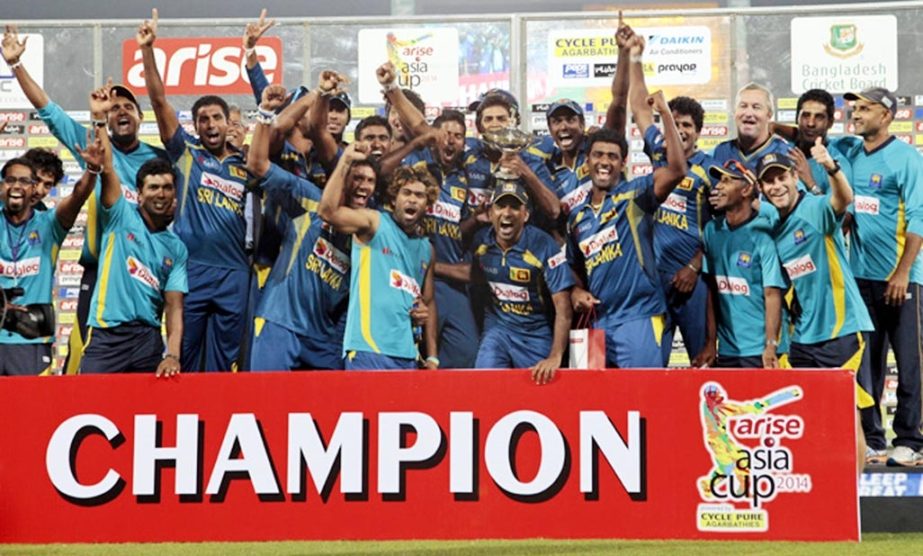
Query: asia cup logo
[{"x": 750, "y": 465}]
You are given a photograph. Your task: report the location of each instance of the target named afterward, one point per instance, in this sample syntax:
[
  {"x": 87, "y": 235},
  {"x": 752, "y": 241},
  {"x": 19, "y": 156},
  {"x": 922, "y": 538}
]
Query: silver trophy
[{"x": 509, "y": 140}]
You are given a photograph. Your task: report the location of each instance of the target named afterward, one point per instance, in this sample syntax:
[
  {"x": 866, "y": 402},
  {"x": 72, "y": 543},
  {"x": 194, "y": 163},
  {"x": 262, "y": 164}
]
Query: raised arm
[
  {"x": 637, "y": 93},
  {"x": 362, "y": 222},
  {"x": 258, "y": 156},
  {"x": 94, "y": 155},
  {"x": 13, "y": 50},
  {"x": 410, "y": 116},
  {"x": 252, "y": 33},
  {"x": 616, "y": 116},
  {"x": 667, "y": 177},
  {"x": 167, "y": 121},
  {"x": 841, "y": 194},
  {"x": 100, "y": 104},
  {"x": 388, "y": 163},
  {"x": 325, "y": 144}
]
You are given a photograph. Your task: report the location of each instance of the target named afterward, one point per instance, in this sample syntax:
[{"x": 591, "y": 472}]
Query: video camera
[{"x": 30, "y": 321}]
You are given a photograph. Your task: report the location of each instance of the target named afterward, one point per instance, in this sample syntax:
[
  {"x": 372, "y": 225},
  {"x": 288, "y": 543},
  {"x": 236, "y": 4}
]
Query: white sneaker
[
  {"x": 905, "y": 457},
  {"x": 875, "y": 457}
]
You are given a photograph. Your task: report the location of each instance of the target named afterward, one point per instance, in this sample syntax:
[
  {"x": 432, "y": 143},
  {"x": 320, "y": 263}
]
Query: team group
[{"x": 421, "y": 245}]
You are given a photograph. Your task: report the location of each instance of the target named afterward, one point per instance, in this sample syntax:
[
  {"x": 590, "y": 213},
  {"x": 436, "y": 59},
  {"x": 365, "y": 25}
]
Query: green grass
[{"x": 873, "y": 543}]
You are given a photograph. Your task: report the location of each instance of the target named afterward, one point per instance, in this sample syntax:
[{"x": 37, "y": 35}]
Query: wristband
[
  {"x": 433, "y": 359},
  {"x": 836, "y": 168},
  {"x": 773, "y": 343},
  {"x": 385, "y": 89},
  {"x": 16, "y": 64},
  {"x": 249, "y": 51},
  {"x": 692, "y": 268},
  {"x": 99, "y": 123},
  {"x": 635, "y": 58},
  {"x": 265, "y": 117},
  {"x": 95, "y": 171},
  {"x": 172, "y": 356}
]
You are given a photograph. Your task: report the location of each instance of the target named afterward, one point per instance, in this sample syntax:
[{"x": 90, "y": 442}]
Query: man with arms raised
[
  {"x": 128, "y": 154},
  {"x": 391, "y": 273},
  {"x": 210, "y": 199}
]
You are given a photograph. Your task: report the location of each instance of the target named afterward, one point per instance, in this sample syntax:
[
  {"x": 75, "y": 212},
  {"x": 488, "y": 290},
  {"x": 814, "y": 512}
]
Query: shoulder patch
[{"x": 530, "y": 259}]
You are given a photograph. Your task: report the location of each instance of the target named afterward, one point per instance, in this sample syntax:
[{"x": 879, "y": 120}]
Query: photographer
[{"x": 29, "y": 253}]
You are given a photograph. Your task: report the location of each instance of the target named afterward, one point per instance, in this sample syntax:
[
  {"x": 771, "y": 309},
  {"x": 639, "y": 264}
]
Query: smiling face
[
  {"x": 605, "y": 163},
  {"x": 566, "y": 129},
  {"x": 508, "y": 216},
  {"x": 212, "y": 127},
  {"x": 124, "y": 119},
  {"x": 780, "y": 186},
  {"x": 157, "y": 196},
  {"x": 19, "y": 183},
  {"x": 688, "y": 134},
  {"x": 377, "y": 138},
  {"x": 730, "y": 192},
  {"x": 495, "y": 118},
  {"x": 337, "y": 117},
  {"x": 237, "y": 131},
  {"x": 752, "y": 115},
  {"x": 360, "y": 186},
  {"x": 869, "y": 118}
]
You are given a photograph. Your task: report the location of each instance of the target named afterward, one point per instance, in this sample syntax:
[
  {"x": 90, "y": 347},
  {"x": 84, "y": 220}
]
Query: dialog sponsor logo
[
  {"x": 591, "y": 245},
  {"x": 799, "y": 267},
  {"x": 401, "y": 281},
  {"x": 20, "y": 269},
  {"x": 867, "y": 205},
  {"x": 732, "y": 285},
  {"x": 676, "y": 203},
  {"x": 141, "y": 273},
  {"x": 445, "y": 211},
  {"x": 333, "y": 256},
  {"x": 509, "y": 292},
  {"x": 230, "y": 189}
]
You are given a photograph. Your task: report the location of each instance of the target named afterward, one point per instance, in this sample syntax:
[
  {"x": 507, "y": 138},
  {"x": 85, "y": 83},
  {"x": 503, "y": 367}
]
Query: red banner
[
  {"x": 201, "y": 65},
  {"x": 438, "y": 455}
]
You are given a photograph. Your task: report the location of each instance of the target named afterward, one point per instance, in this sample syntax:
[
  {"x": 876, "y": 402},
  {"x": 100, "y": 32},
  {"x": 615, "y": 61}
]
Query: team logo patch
[
  {"x": 520, "y": 274},
  {"x": 875, "y": 181},
  {"x": 141, "y": 273},
  {"x": 34, "y": 238},
  {"x": 800, "y": 237},
  {"x": 459, "y": 194},
  {"x": 237, "y": 172},
  {"x": 607, "y": 216},
  {"x": 686, "y": 184},
  {"x": 744, "y": 259},
  {"x": 167, "y": 264},
  {"x": 400, "y": 281}
]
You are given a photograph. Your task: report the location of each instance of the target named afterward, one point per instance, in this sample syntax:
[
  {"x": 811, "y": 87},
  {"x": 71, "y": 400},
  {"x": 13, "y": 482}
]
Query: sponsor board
[
  {"x": 610, "y": 455},
  {"x": 846, "y": 53},
  {"x": 201, "y": 65},
  {"x": 426, "y": 60}
]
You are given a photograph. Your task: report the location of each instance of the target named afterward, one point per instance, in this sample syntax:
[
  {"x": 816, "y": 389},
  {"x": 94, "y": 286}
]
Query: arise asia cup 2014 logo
[
  {"x": 751, "y": 465},
  {"x": 425, "y": 60}
]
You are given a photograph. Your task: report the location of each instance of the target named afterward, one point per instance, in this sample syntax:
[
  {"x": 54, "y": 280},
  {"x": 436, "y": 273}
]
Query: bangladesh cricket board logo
[
  {"x": 750, "y": 464},
  {"x": 844, "y": 41}
]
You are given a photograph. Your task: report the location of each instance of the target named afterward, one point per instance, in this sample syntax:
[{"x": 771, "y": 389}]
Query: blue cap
[
  {"x": 343, "y": 98},
  {"x": 878, "y": 95},
  {"x": 734, "y": 169},
  {"x": 564, "y": 103},
  {"x": 773, "y": 160},
  {"x": 509, "y": 188}
]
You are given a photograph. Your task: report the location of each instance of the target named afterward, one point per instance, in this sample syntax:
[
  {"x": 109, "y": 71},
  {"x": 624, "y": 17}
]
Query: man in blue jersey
[
  {"x": 142, "y": 275},
  {"x": 753, "y": 110},
  {"x": 744, "y": 278},
  {"x": 298, "y": 320},
  {"x": 129, "y": 153},
  {"x": 611, "y": 245},
  {"x": 829, "y": 314},
  {"x": 29, "y": 244},
  {"x": 210, "y": 208},
  {"x": 520, "y": 265},
  {"x": 391, "y": 276},
  {"x": 887, "y": 231}
]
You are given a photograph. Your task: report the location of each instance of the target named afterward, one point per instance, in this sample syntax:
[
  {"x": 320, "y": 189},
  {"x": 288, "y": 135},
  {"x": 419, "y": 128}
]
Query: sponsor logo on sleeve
[{"x": 558, "y": 258}]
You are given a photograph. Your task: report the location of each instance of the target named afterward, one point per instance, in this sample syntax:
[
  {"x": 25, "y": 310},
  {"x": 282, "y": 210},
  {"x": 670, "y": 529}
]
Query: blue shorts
[
  {"x": 214, "y": 315},
  {"x": 634, "y": 344},
  {"x": 458, "y": 331},
  {"x": 128, "y": 348},
  {"x": 276, "y": 348},
  {"x": 502, "y": 348},
  {"x": 686, "y": 312},
  {"x": 25, "y": 359},
  {"x": 366, "y": 361}
]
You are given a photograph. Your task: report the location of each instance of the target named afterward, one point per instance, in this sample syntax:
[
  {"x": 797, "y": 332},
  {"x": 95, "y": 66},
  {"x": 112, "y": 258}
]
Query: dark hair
[
  {"x": 154, "y": 167},
  {"x": 210, "y": 100},
  {"x": 688, "y": 106},
  {"x": 415, "y": 99},
  {"x": 606, "y": 135},
  {"x": 495, "y": 100},
  {"x": 370, "y": 162},
  {"x": 817, "y": 95},
  {"x": 44, "y": 160},
  {"x": 407, "y": 174},
  {"x": 374, "y": 120},
  {"x": 22, "y": 161},
  {"x": 451, "y": 116}
]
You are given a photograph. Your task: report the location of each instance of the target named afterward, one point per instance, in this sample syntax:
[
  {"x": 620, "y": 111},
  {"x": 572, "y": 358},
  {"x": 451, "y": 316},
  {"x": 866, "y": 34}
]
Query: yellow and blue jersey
[
  {"x": 307, "y": 288},
  {"x": 28, "y": 255},
  {"x": 743, "y": 261},
  {"x": 386, "y": 277},
  {"x": 681, "y": 218},
  {"x": 570, "y": 183},
  {"x": 136, "y": 267},
  {"x": 210, "y": 199},
  {"x": 444, "y": 217},
  {"x": 521, "y": 279},
  {"x": 730, "y": 150},
  {"x": 478, "y": 172},
  {"x": 887, "y": 205},
  {"x": 811, "y": 247},
  {"x": 612, "y": 246},
  {"x": 126, "y": 164}
]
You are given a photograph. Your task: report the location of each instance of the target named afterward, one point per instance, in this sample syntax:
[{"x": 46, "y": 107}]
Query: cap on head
[
  {"x": 125, "y": 92},
  {"x": 511, "y": 189},
  {"x": 505, "y": 95},
  {"x": 773, "y": 160},
  {"x": 734, "y": 169},
  {"x": 878, "y": 95},
  {"x": 342, "y": 98},
  {"x": 564, "y": 104}
]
